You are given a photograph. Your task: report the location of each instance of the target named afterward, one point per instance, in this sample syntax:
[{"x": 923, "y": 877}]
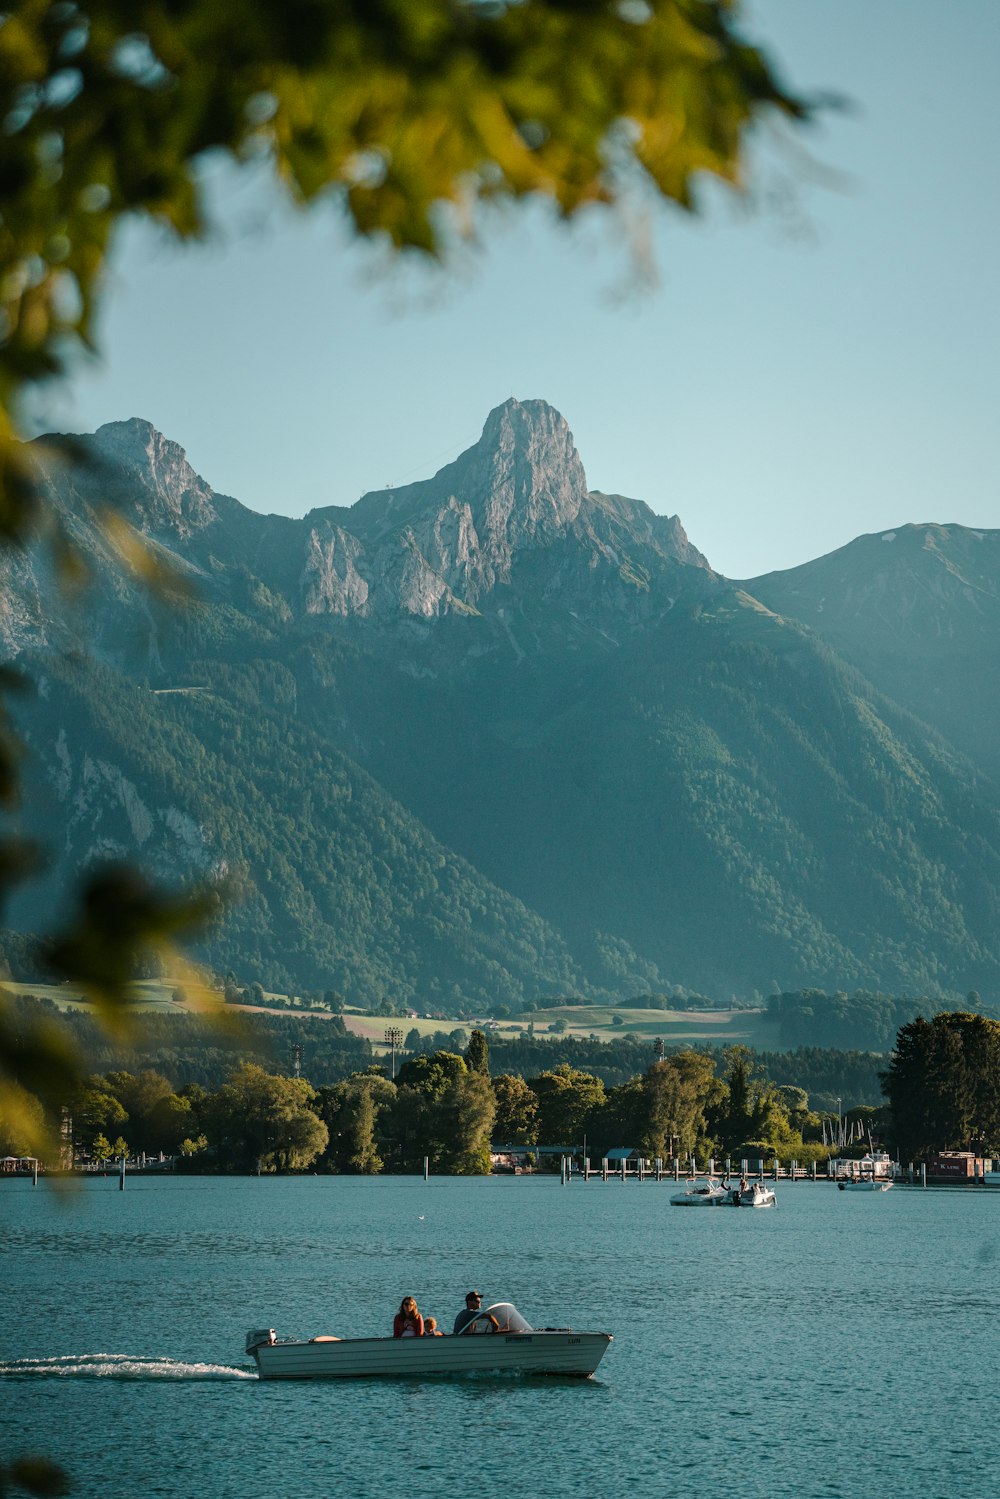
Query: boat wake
[{"x": 116, "y": 1366}]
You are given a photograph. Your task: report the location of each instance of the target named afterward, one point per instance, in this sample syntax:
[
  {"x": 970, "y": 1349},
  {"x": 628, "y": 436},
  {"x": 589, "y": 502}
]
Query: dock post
[
  {"x": 121, "y": 1176},
  {"x": 659, "y": 1168},
  {"x": 604, "y": 1168},
  {"x": 743, "y": 1168},
  {"x": 795, "y": 1169},
  {"x": 624, "y": 1167},
  {"x": 562, "y": 1170},
  {"x": 814, "y": 1171},
  {"x": 909, "y": 1174},
  {"x": 711, "y": 1165},
  {"x": 586, "y": 1169},
  {"x": 760, "y": 1169},
  {"x": 923, "y": 1173},
  {"x": 729, "y": 1167},
  {"x": 427, "y": 1168},
  {"x": 776, "y": 1168},
  {"x": 677, "y": 1168},
  {"x": 34, "y": 1172}
]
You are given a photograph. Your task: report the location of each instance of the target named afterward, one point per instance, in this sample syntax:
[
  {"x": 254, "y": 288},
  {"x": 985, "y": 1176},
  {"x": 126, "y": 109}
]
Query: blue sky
[{"x": 818, "y": 363}]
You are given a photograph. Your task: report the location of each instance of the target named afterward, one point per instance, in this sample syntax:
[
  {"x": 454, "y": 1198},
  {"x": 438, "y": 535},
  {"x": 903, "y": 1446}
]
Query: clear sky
[{"x": 821, "y": 364}]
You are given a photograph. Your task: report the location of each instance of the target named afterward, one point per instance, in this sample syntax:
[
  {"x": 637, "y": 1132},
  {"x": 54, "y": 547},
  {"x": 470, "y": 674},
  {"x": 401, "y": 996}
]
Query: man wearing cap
[{"x": 473, "y": 1304}]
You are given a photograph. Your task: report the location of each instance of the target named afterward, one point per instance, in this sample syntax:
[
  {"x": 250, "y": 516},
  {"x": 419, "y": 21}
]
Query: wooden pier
[{"x": 679, "y": 1169}]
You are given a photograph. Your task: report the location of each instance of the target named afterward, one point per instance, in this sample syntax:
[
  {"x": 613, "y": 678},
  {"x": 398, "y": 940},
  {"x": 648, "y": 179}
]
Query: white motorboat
[
  {"x": 508, "y": 1345},
  {"x": 714, "y": 1194},
  {"x": 757, "y": 1195},
  {"x": 710, "y": 1194},
  {"x": 865, "y": 1184}
]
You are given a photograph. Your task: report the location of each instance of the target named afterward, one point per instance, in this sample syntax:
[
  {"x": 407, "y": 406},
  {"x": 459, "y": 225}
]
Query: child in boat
[
  {"x": 407, "y": 1322},
  {"x": 431, "y": 1329}
]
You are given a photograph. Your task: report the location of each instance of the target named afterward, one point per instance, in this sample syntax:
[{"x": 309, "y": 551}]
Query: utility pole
[{"x": 393, "y": 1038}]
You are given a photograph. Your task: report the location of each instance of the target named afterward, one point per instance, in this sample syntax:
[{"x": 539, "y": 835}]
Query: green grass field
[
  {"x": 150, "y": 994},
  {"x": 677, "y": 1027}
]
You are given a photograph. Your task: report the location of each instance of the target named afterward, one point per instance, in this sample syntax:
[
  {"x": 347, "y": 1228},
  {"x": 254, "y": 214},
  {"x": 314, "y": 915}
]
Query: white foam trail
[{"x": 116, "y": 1366}]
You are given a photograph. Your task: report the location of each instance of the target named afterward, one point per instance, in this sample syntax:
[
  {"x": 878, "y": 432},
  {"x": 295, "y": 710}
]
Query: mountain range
[{"x": 495, "y": 737}]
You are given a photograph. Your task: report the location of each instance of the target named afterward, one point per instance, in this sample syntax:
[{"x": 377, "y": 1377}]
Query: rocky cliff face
[{"x": 507, "y": 527}]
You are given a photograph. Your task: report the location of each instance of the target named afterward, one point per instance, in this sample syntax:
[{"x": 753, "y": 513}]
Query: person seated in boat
[
  {"x": 472, "y": 1311},
  {"x": 408, "y": 1323},
  {"x": 431, "y": 1329}
]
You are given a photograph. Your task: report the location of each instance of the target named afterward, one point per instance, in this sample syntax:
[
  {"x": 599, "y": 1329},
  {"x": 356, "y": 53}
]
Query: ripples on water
[{"x": 840, "y": 1346}]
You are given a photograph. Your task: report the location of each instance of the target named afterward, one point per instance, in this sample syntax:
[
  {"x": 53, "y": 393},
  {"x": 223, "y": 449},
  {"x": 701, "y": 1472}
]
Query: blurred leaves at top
[
  {"x": 405, "y": 114},
  {"x": 397, "y": 108}
]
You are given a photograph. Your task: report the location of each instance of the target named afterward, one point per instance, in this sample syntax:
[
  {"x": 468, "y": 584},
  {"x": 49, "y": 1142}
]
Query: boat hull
[{"x": 576, "y": 1354}]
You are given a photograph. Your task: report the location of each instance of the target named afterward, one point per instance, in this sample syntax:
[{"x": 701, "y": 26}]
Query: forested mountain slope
[
  {"x": 495, "y": 736},
  {"x": 918, "y": 611}
]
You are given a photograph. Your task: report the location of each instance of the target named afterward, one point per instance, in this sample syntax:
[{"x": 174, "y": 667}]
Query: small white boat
[
  {"x": 715, "y": 1194},
  {"x": 512, "y": 1346},
  {"x": 756, "y": 1195},
  {"x": 711, "y": 1194},
  {"x": 865, "y": 1184}
]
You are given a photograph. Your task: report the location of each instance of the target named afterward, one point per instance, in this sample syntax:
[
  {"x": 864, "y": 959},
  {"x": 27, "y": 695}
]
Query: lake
[{"x": 845, "y": 1344}]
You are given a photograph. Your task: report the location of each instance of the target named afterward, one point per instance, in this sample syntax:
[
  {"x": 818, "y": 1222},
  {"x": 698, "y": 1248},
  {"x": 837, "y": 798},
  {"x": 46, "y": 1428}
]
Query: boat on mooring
[
  {"x": 865, "y": 1184},
  {"x": 716, "y": 1194},
  {"x": 711, "y": 1194},
  {"x": 498, "y": 1341},
  {"x": 757, "y": 1195}
]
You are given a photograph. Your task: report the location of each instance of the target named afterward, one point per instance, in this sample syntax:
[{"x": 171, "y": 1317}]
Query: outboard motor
[{"x": 261, "y": 1338}]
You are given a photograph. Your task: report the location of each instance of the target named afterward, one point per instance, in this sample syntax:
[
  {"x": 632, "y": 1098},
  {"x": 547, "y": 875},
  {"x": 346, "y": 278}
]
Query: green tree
[
  {"x": 430, "y": 1073},
  {"x": 678, "y": 1092},
  {"x": 96, "y": 1109},
  {"x": 464, "y": 1123},
  {"x": 477, "y": 1054},
  {"x": 943, "y": 1084},
  {"x": 351, "y": 1111},
  {"x": 158, "y": 1119},
  {"x": 258, "y": 1118},
  {"x": 101, "y": 1148},
  {"x": 737, "y": 1122},
  {"x": 566, "y": 1099},
  {"x": 516, "y": 1121}
]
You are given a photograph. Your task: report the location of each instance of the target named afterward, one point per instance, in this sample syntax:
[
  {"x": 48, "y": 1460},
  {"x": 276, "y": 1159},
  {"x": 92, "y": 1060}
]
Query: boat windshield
[{"x": 505, "y": 1312}]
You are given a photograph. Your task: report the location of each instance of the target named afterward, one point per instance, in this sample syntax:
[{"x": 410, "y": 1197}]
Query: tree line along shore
[{"x": 940, "y": 1090}]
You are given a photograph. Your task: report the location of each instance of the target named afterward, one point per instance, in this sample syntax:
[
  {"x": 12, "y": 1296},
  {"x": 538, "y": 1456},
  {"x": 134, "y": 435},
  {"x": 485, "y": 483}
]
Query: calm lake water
[{"x": 842, "y": 1345}]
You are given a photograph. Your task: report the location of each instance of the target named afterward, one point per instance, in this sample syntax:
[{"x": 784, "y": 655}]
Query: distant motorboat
[
  {"x": 716, "y": 1194},
  {"x": 756, "y": 1195},
  {"x": 711, "y": 1195},
  {"x": 865, "y": 1184},
  {"x": 508, "y": 1345}
]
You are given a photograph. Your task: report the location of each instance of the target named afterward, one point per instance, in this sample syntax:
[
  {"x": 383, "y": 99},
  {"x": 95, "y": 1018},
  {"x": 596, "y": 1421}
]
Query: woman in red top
[{"x": 407, "y": 1323}]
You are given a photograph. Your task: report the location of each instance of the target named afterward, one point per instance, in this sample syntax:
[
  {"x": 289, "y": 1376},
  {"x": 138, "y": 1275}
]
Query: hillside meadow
[{"x": 607, "y": 1023}]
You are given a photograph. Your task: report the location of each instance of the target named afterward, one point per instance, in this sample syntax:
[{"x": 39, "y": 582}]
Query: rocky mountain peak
[
  {"x": 173, "y": 496},
  {"x": 531, "y": 468}
]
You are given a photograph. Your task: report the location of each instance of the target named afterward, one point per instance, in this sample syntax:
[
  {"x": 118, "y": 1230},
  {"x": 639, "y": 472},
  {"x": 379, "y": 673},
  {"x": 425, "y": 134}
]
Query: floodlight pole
[{"x": 393, "y": 1038}]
